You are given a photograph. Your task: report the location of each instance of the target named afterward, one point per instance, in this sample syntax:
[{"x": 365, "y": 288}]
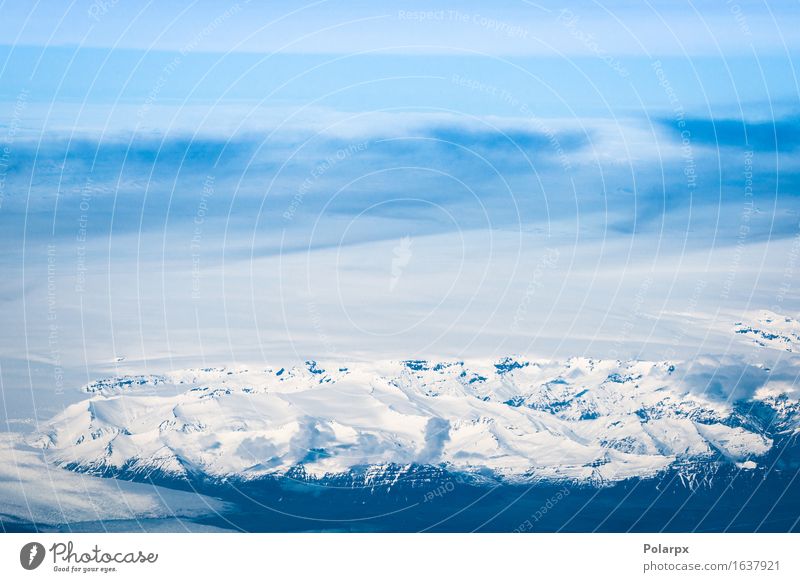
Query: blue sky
[
  {"x": 652, "y": 27},
  {"x": 621, "y": 119},
  {"x": 595, "y": 58},
  {"x": 281, "y": 153}
]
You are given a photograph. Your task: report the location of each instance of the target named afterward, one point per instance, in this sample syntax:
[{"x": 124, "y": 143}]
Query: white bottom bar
[{"x": 404, "y": 557}]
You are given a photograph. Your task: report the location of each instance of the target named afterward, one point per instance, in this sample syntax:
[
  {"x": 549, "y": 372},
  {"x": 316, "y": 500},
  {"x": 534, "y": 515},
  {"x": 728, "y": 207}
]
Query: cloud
[
  {"x": 437, "y": 433},
  {"x": 508, "y": 139},
  {"x": 302, "y": 186},
  {"x": 729, "y": 379},
  {"x": 778, "y": 135}
]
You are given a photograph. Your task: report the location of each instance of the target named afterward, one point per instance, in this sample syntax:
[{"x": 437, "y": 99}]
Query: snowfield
[
  {"x": 767, "y": 329},
  {"x": 33, "y": 490},
  {"x": 583, "y": 420}
]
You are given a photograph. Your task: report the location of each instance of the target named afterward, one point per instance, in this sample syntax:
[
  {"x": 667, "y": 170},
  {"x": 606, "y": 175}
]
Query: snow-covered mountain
[
  {"x": 35, "y": 492},
  {"x": 584, "y": 420},
  {"x": 767, "y": 329}
]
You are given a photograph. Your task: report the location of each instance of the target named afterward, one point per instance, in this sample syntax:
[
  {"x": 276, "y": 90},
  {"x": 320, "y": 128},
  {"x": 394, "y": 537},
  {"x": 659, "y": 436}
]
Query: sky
[{"x": 203, "y": 183}]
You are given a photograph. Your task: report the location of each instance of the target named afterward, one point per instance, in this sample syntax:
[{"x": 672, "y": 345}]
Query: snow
[
  {"x": 34, "y": 490},
  {"x": 580, "y": 419},
  {"x": 767, "y": 329}
]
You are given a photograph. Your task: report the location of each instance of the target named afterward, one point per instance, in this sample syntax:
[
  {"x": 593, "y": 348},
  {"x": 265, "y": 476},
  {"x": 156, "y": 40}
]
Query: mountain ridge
[{"x": 510, "y": 420}]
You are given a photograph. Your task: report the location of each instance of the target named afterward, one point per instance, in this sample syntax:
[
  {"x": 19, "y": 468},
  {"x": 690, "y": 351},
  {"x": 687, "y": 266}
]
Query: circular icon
[{"x": 31, "y": 555}]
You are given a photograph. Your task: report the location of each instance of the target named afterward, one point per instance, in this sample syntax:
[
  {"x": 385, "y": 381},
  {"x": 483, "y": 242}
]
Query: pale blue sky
[
  {"x": 636, "y": 140},
  {"x": 264, "y": 91},
  {"x": 507, "y": 27}
]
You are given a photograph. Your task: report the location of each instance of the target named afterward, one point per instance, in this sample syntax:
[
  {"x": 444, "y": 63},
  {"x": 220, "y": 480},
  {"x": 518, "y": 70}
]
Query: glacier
[
  {"x": 512, "y": 420},
  {"x": 38, "y": 495}
]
